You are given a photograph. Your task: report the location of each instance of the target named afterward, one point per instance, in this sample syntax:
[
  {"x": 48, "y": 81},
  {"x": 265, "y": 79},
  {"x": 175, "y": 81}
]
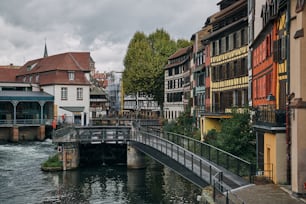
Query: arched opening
[
  {"x": 6, "y": 112},
  {"x": 28, "y": 112}
]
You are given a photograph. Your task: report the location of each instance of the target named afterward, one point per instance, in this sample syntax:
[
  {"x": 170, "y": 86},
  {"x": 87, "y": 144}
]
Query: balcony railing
[{"x": 270, "y": 117}]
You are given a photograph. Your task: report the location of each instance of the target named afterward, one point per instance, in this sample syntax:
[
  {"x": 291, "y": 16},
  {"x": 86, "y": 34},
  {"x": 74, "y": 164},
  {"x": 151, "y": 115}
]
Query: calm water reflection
[{"x": 22, "y": 181}]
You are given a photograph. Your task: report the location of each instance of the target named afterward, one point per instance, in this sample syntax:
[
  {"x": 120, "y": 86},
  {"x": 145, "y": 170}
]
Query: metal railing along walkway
[
  {"x": 204, "y": 170},
  {"x": 224, "y": 160}
]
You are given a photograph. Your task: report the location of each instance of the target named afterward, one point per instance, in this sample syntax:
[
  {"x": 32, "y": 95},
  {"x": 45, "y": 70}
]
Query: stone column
[
  {"x": 135, "y": 158},
  {"x": 15, "y": 134},
  {"x": 70, "y": 156}
]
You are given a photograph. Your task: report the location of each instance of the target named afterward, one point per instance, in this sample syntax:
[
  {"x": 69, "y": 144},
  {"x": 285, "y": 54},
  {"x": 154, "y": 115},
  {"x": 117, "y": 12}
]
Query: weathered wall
[{"x": 5, "y": 133}]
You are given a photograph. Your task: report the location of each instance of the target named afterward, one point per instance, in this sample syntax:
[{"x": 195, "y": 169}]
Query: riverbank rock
[{"x": 51, "y": 169}]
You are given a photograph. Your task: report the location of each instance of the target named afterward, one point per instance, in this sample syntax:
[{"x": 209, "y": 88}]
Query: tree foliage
[
  {"x": 183, "y": 125},
  {"x": 145, "y": 60},
  {"x": 137, "y": 61},
  {"x": 236, "y": 136}
]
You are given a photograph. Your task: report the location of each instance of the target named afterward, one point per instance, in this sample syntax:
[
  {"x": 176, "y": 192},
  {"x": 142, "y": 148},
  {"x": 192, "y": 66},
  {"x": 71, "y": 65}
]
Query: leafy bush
[{"x": 52, "y": 161}]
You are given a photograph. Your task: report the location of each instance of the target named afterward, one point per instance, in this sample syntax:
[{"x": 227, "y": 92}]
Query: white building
[{"x": 66, "y": 77}]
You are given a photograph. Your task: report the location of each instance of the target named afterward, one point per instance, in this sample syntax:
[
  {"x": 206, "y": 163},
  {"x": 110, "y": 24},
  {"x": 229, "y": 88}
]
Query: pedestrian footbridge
[{"x": 202, "y": 164}]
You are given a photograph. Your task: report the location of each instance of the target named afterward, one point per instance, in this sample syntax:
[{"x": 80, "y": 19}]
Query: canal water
[{"x": 22, "y": 181}]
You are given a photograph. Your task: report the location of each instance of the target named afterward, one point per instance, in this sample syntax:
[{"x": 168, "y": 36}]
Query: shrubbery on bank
[{"x": 53, "y": 163}]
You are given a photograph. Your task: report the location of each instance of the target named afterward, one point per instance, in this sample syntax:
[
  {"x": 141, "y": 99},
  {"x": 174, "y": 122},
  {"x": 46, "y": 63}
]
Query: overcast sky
[{"x": 103, "y": 27}]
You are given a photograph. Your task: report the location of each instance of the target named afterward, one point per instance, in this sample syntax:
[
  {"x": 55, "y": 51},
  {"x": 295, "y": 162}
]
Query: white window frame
[
  {"x": 64, "y": 93},
  {"x": 71, "y": 76},
  {"x": 79, "y": 93}
]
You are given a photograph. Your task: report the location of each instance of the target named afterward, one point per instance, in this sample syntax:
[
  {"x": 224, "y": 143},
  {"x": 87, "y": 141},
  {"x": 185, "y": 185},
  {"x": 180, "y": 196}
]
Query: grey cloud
[{"x": 82, "y": 23}]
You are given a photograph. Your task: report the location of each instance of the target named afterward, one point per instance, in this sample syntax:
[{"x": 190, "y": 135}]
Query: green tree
[
  {"x": 236, "y": 136},
  {"x": 181, "y": 43},
  {"x": 162, "y": 47},
  {"x": 184, "y": 125},
  {"x": 144, "y": 63},
  {"x": 137, "y": 62}
]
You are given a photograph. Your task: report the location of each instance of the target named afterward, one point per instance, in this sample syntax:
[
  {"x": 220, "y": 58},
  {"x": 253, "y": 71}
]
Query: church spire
[{"x": 45, "y": 51}]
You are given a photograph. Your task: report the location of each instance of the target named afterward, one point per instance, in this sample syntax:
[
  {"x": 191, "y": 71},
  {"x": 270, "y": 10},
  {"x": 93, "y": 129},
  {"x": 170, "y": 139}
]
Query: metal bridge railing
[
  {"x": 196, "y": 164},
  {"x": 93, "y": 134},
  {"x": 103, "y": 134},
  {"x": 221, "y": 194},
  {"x": 177, "y": 151},
  {"x": 222, "y": 158}
]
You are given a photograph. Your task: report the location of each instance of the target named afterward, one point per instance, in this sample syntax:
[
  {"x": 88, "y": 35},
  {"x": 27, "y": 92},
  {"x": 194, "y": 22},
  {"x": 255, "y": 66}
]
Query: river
[{"x": 22, "y": 181}]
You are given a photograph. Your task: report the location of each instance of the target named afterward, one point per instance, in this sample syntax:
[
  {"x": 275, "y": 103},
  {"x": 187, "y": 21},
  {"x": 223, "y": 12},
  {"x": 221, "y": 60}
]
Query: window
[
  {"x": 64, "y": 93},
  {"x": 37, "y": 78},
  {"x": 71, "y": 75},
  {"x": 176, "y": 70},
  {"x": 170, "y": 72},
  {"x": 214, "y": 48},
  {"x": 268, "y": 83},
  {"x": 79, "y": 93},
  {"x": 227, "y": 71},
  {"x": 268, "y": 46},
  {"x": 279, "y": 49},
  {"x": 220, "y": 46}
]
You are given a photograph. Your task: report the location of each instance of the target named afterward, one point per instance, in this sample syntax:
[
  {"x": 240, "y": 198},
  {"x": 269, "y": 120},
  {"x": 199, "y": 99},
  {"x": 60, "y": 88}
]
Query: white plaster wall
[{"x": 71, "y": 101}]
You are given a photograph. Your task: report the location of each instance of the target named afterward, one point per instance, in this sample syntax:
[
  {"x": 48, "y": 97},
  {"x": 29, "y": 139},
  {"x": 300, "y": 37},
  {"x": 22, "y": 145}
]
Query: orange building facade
[{"x": 269, "y": 90}]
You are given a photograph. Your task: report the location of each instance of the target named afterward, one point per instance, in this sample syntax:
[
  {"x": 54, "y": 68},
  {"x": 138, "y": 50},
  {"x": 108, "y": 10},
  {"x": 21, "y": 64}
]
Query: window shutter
[
  {"x": 223, "y": 45},
  {"x": 239, "y": 67},
  {"x": 231, "y": 42},
  {"x": 245, "y": 36},
  {"x": 282, "y": 95},
  {"x": 217, "y": 47},
  {"x": 283, "y": 51},
  {"x": 238, "y": 40},
  {"x": 275, "y": 51}
]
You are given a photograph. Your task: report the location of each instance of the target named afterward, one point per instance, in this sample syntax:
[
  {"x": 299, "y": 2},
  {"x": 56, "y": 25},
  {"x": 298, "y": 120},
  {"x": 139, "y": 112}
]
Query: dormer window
[
  {"x": 71, "y": 75},
  {"x": 30, "y": 67}
]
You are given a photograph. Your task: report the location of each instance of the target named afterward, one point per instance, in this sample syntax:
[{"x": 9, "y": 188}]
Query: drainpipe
[{"x": 288, "y": 118}]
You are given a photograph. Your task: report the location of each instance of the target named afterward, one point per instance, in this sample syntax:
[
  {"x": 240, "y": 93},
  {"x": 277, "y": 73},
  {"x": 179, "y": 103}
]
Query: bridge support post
[
  {"x": 135, "y": 158},
  {"x": 69, "y": 155},
  {"x": 41, "y": 132}
]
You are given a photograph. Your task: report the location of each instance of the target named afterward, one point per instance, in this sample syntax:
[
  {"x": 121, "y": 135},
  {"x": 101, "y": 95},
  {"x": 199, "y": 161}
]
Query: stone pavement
[{"x": 268, "y": 194}]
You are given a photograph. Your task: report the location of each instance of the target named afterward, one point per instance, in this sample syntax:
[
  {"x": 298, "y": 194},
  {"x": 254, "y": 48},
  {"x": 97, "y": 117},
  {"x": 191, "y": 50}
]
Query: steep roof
[
  {"x": 180, "y": 52},
  {"x": 8, "y": 74},
  {"x": 70, "y": 61}
]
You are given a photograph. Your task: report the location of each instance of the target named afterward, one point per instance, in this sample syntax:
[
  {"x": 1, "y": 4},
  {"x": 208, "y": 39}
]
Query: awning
[
  {"x": 73, "y": 108},
  {"x": 25, "y": 96}
]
